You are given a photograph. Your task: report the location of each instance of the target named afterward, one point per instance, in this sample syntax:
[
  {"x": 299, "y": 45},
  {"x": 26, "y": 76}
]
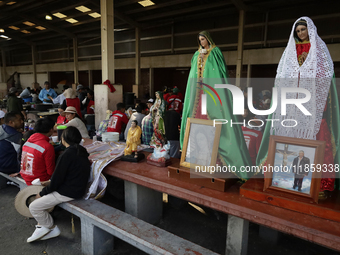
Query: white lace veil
[{"x": 315, "y": 75}]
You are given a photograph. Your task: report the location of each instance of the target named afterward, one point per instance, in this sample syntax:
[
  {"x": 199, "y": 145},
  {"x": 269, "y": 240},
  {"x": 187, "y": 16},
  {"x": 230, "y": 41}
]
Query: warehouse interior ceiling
[{"x": 24, "y": 23}]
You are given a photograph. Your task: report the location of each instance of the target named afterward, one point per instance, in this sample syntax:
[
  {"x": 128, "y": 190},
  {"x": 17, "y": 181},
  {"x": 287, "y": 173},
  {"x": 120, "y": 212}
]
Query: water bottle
[
  {"x": 94, "y": 139},
  {"x": 26, "y": 126}
]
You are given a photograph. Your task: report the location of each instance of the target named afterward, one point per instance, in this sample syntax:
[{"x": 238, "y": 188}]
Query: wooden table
[{"x": 144, "y": 182}]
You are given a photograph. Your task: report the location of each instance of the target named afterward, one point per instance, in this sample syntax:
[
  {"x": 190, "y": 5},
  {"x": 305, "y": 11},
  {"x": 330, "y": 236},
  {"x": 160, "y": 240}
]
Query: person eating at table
[{"x": 74, "y": 121}]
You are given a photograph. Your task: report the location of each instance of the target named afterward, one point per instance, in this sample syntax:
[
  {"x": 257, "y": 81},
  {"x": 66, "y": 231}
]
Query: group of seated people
[
  {"x": 74, "y": 105},
  {"x": 65, "y": 176},
  {"x": 33, "y": 156},
  {"x": 120, "y": 123}
]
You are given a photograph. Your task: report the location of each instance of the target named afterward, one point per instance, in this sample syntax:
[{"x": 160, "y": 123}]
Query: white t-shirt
[{"x": 76, "y": 122}]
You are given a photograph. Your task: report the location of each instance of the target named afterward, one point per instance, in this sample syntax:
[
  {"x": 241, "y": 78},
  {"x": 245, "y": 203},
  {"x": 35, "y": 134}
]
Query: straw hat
[
  {"x": 69, "y": 109},
  {"x": 70, "y": 93},
  {"x": 25, "y": 197}
]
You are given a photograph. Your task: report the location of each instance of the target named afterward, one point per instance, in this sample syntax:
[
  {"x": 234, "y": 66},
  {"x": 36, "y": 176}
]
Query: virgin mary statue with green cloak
[{"x": 208, "y": 68}]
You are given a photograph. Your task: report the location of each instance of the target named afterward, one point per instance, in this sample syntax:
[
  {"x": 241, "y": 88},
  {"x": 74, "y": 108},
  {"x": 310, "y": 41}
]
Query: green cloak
[
  {"x": 232, "y": 147},
  {"x": 332, "y": 117}
]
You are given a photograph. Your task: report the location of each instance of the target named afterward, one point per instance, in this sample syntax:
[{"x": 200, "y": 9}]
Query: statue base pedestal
[
  {"x": 162, "y": 162},
  {"x": 131, "y": 158}
]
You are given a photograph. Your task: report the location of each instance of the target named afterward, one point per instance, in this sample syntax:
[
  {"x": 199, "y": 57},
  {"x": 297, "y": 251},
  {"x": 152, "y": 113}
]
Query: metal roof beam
[
  {"x": 126, "y": 19},
  {"x": 19, "y": 39},
  {"x": 186, "y": 10},
  {"x": 48, "y": 25},
  {"x": 157, "y": 6}
]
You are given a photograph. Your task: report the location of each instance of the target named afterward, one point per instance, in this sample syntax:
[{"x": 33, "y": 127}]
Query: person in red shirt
[
  {"x": 167, "y": 94},
  {"x": 38, "y": 156},
  {"x": 179, "y": 93},
  {"x": 175, "y": 102},
  {"x": 118, "y": 120},
  {"x": 252, "y": 137}
]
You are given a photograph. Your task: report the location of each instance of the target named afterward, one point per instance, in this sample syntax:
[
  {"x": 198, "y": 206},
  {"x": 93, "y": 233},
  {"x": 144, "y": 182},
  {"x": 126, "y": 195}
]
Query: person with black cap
[
  {"x": 81, "y": 93},
  {"x": 46, "y": 92}
]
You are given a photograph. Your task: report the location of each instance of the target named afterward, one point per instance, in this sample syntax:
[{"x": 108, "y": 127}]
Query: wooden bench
[{"x": 100, "y": 223}]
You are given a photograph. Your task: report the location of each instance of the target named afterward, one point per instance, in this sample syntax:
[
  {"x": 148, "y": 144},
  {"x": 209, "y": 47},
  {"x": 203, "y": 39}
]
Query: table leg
[
  {"x": 143, "y": 203},
  {"x": 237, "y": 236}
]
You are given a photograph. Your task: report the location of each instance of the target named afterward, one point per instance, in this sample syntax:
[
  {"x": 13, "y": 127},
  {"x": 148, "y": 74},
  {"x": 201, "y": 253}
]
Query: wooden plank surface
[
  {"x": 327, "y": 209},
  {"x": 311, "y": 228}
]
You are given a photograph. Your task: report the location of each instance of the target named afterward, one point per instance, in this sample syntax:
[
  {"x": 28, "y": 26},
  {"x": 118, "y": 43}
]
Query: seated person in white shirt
[{"x": 73, "y": 120}]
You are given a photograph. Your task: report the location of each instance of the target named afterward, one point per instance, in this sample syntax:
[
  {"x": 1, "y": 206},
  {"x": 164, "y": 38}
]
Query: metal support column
[
  {"x": 34, "y": 63},
  {"x": 3, "y": 68},
  {"x": 107, "y": 40},
  {"x": 240, "y": 48},
  {"x": 151, "y": 82},
  {"x": 75, "y": 60},
  {"x": 248, "y": 75},
  {"x": 137, "y": 63},
  {"x": 265, "y": 31},
  {"x": 90, "y": 79}
]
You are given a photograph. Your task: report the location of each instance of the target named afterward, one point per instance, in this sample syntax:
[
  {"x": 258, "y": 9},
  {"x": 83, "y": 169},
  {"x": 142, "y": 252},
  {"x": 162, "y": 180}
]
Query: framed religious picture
[
  {"x": 294, "y": 166},
  {"x": 201, "y": 143}
]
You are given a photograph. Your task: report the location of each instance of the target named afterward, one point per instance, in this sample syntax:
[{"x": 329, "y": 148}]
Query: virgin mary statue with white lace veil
[{"x": 306, "y": 63}]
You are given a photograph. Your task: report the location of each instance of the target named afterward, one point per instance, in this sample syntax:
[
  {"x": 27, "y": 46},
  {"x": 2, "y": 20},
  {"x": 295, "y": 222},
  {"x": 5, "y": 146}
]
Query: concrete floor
[{"x": 200, "y": 225}]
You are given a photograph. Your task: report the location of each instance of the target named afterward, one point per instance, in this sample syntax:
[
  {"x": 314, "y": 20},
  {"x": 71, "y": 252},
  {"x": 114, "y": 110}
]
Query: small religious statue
[
  {"x": 132, "y": 141},
  {"x": 158, "y": 140}
]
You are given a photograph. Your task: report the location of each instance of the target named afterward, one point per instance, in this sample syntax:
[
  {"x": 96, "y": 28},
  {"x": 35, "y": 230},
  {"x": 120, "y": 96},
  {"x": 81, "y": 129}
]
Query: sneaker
[
  {"x": 54, "y": 233},
  {"x": 39, "y": 232}
]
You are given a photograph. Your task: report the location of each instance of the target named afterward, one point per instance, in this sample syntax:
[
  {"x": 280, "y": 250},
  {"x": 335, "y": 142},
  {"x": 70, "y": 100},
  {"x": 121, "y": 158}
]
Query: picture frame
[
  {"x": 201, "y": 142},
  {"x": 287, "y": 169}
]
